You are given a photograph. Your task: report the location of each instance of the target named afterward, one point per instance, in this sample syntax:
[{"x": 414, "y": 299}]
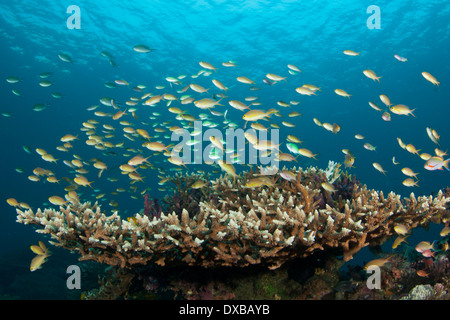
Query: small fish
[
  {"x": 12, "y": 202},
  {"x": 42, "y": 254},
  {"x": 377, "y": 262},
  {"x": 229, "y": 64},
  {"x": 65, "y": 57},
  {"x": 45, "y": 83},
  {"x": 433, "y": 135},
  {"x": 422, "y": 273},
  {"x": 371, "y": 75},
  {"x": 207, "y": 65},
  {"x": 401, "y": 109},
  {"x": 408, "y": 172},
  {"x": 425, "y": 156},
  {"x": 228, "y": 168},
  {"x": 401, "y": 229},
  {"x": 351, "y": 53},
  {"x": 288, "y": 175},
  {"x": 275, "y": 77},
  {"x": 198, "y": 88},
  {"x": 412, "y": 149},
  {"x": 12, "y": 80},
  {"x": 259, "y": 182},
  {"x": 199, "y": 184},
  {"x": 385, "y": 99},
  {"x": 219, "y": 85},
  {"x": 39, "y": 107},
  {"x": 342, "y": 93},
  {"x": 386, "y": 116},
  {"x": 445, "y": 231},
  {"x": 328, "y": 186},
  {"x": 430, "y": 78},
  {"x": 440, "y": 153},
  {"x": 255, "y": 115},
  {"x": 369, "y": 147},
  {"x": 398, "y": 241},
  {"x": 307, "y": 153},
  {"x": 401, "y": 59},
  {"x": 374, "y": 106},
  {"x": 428, "y": 253},
  {"x": 293, "y": 68},
  {"x": 424, "y": 246},
  {"x": 349, "y": 161},
  {"x": 245, "y": 80},
  {"x": 121, "y": 82},
  {"x": 401, "y": 143},
  {"x": 82, "y": 181},
  {"x": 305, "y": 91},
  {"x": 436, "y": 163},
  {"x": 57, "y": 201},
  {"x": 378, "y": 167},
  {"x": 394, "y": 162},
  {"x": 410, "y": 183},
  {"x": 292, "y": 147},
  {"x": 142, "y": 48}
]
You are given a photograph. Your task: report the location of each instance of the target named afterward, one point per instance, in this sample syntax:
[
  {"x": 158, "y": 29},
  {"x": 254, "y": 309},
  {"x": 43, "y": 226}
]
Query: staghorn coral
[{"x": 227, "y": 224}]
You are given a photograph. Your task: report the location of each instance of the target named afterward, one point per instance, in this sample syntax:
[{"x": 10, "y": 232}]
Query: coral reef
[
  {"x": 227, "y": 223},
  {"x": 421, "y": 292}
]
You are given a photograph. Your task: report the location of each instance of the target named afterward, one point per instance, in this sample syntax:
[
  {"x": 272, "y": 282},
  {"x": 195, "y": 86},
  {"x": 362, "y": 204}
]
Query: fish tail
[{"x": 446, "y": 164}]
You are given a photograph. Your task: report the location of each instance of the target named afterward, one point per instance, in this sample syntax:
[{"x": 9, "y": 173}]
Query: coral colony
[{"x": 228, "y": 224}]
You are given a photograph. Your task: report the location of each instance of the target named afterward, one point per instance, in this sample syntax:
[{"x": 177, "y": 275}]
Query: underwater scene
[{"x": 225, "y": 150}]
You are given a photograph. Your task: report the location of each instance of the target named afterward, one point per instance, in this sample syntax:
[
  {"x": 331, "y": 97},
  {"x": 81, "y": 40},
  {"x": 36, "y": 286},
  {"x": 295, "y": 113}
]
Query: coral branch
[{"x": 229, "y": 224}]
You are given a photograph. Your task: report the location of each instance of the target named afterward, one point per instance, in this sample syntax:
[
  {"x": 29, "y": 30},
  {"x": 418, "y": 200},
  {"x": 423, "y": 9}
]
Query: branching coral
[{"x": 228, "y": 224}]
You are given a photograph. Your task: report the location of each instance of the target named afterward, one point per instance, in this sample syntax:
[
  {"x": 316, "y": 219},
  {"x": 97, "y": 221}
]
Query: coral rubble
[{"x": 228, "y": 223}]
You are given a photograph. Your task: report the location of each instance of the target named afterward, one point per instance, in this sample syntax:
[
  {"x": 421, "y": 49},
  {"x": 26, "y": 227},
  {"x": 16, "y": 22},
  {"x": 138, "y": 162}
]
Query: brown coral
[{"x": 238, "y": 226}]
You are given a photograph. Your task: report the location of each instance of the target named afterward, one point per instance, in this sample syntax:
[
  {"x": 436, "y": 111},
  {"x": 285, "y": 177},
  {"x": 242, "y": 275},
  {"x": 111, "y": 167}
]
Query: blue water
[{"x": 261, "y": 37}]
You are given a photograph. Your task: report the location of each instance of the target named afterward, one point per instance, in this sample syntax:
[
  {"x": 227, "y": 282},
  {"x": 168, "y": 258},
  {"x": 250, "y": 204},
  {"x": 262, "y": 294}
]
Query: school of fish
[{"x": 132, "y": 138}]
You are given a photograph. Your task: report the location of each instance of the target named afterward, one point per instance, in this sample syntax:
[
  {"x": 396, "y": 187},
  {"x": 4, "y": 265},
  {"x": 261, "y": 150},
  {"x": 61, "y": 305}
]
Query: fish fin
[
  {"x": 43, "y": 247},
  {"x": 446, "y": 164}
]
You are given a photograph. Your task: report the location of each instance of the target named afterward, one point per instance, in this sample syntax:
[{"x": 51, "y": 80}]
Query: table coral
[{"x": 228, "y": 224}]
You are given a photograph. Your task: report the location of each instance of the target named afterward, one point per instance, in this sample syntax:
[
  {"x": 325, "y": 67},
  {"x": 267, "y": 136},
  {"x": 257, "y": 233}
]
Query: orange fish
[
  {"x": 377, "y": 262},
  {"x": 422, "y": 273}
]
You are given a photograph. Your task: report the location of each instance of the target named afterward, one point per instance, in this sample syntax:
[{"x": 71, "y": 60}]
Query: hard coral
[{"x": 228, "y": 224}]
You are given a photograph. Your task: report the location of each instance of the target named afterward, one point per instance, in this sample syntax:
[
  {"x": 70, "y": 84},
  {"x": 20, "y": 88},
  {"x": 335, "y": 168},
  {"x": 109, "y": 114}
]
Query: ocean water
[{"x": 261, "y": 37}]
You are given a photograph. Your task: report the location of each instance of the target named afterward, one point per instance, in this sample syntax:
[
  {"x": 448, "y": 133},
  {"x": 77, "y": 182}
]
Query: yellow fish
[
  {"x": 342, "y": 93},
  {"x": 430, "y": 78},
  {"x": 82, "y": 181},
  {"x": 351, "y": 53},
  {"x": 379, "y": 167},
  {"x": 42, "y": 254},
  {"x": 401, "y": 109},
  {"x": 401, "y": 229},
  {"x": 57, "y": 201},
  {"x": 377, "y": 262},
  {"x": 328, "y": 186},
  {"x": 255, "y": 115},
  {"x": 245, "y": 80},
  {"x": 371, "y": 75},
  {"x": 307, "y": 153},
  {"x": 398, "y": 241},
  {"x": 228, "y": 168},
  {"x": 199, "y": 184}
]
